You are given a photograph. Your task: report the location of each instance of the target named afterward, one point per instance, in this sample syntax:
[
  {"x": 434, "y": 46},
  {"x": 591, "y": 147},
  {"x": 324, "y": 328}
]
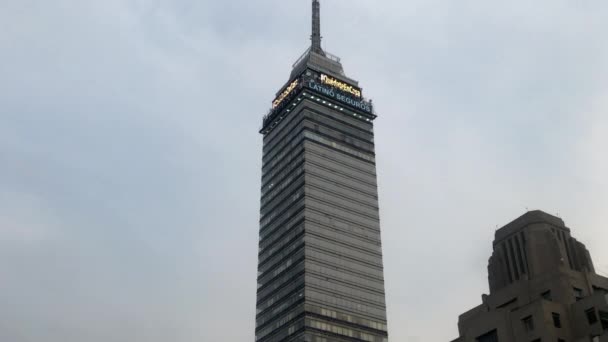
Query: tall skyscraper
[
  {"x": 543, "y": 287},
  {"x": 320, "y": 273}
]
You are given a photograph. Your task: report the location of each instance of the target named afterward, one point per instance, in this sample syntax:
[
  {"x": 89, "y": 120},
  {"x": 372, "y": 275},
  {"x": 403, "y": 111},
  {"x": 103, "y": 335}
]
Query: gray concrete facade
[
  {"x": 320, "y": 273},
  {"x": 543, "y": 287}
]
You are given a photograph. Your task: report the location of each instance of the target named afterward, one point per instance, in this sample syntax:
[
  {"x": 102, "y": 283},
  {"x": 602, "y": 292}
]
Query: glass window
[
  {"x": 528, "y": 323},
  {"x": 600, "y": 289},
  {"x": 604, "y": 319},
  {"x": 512, "y": 301},
  {"x": 557, "y": 320},
  {"x": 492, "y": 336},
  {"x": 591, "y": 316}
]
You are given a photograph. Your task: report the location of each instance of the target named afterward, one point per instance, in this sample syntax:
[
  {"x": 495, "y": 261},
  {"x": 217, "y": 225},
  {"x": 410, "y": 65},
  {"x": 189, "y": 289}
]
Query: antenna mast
[{"x": 316, "y": 27}]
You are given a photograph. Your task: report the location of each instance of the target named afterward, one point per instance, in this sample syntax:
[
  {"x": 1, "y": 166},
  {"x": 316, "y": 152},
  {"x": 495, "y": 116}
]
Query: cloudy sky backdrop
[{"x": 130, "y": 158}]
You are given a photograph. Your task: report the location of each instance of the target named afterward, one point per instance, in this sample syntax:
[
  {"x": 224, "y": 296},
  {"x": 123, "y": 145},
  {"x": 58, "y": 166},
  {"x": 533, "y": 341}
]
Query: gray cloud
[{"x": 128, "y": 135}]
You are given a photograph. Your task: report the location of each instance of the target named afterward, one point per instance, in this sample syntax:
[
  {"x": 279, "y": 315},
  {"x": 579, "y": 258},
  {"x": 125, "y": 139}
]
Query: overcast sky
[{"x": 130, "y": 159}]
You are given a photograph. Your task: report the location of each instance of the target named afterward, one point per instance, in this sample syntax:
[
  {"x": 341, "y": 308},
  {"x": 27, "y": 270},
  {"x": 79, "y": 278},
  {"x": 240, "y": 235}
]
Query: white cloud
[
  {"x": 26, "y": 219},
  {"x": 129, "y": 134}
]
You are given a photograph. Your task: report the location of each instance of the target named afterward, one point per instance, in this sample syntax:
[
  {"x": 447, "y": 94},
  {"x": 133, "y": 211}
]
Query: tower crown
[
  {"x": 320, "y": 72},
  {"x": 532, "y": 246},
  {"x": 315, "y": 57}
]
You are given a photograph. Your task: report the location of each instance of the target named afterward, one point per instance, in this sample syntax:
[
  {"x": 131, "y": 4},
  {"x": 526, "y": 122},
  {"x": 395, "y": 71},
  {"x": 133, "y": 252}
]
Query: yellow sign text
[
  {"x": 284, "y": 94},
  {"x": 340, "y": 85}
]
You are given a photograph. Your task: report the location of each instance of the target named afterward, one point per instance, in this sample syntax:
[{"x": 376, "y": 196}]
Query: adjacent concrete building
[
  {"x": 320, "y": 273},
  {"x": 543, "y": 287}
]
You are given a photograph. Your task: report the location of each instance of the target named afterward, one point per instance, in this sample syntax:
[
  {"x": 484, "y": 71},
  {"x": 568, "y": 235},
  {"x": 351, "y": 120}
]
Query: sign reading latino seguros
[{"x": 331, "y": 92}]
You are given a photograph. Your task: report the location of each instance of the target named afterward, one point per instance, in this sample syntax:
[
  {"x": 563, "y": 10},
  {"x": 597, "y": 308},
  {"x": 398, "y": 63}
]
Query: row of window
[
  {"x": 375, "y": 298},
  {"x": 277, "y": 269},
  {"x": 330, "y": 208},
  {"x": 345, "y": 224},
  {"x": 325, "y": 156},
  {"x": 334, "y": 256},
  {"x": 334, "y": 227},
  {"x": 289, "y": 127},
  {"x": 335, "y": 204},
  {"x": 351, "y": 304},
  {"x": 286, "y": 146},
  {"x": 277, "y": 290},
  {"x": 341, "y": 200},
  {"x": 591, "y": 314},
  {"x": 281, "y": 236},
  {"x": 346, "y": 275},
  {"x": 341, "y": 247},
  {"x": 264, "y": 280},
  {"x": 272, "y": 232},
  {"x": 279, "y": 309},
  {"x": 292, "y": 217},
  {"x": 279, "y": 188},
  {"x": 282, "y": 334},
  {"x": 279, "y": 184},
  {"x": 277, "y": 258},
  {"x": 343, "y": 187},
  {"x": 260, "y": 334},
  {"x": 346, "y": 237},
  {"x": 320, "y": 159},
  {"x": 592, "y": 317},
  {"x": 340, "y": 147},
  {"x": 266, "y": 253},
  {"x": 265, "y": 303},
  {"x": 576, "y": 292},
  {"x": 293, "y": 167},
  {"x": 286, "y": 150},
  {"x": 344, "y": 119},
  {"x": 332, "y": 133},
  {"x": 282, "y": 211},
  {"x": 267, "y": 288},
  {"x": 282, "y": 168},
  {"x": 271, "y": 140},
  {"x": 528, "y": 322},
  {"x": 293, "y": 136},
  {"x": 341, "y": 127},
  {"x": 287, "y": 297},
  {"x": 287, "y": 188},
  {"x": 339, "y": 330},
  {"x": 346, "y": 317},
  {"x": 340, "y": 176}
]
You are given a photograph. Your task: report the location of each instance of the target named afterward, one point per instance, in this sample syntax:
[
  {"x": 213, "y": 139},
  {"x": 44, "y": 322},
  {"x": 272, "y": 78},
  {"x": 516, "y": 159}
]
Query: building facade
[
  {"x": 320, "y": 272},
  {"x": 543, "y": 288}
]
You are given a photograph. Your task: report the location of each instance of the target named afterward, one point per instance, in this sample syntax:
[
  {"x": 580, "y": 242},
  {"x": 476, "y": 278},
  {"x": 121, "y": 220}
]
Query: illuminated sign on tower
[{"x": 340, "y": 85}]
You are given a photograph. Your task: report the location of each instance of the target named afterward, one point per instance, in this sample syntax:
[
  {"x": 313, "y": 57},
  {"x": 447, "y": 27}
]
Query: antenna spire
[{"x": 316, "y": 27}]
